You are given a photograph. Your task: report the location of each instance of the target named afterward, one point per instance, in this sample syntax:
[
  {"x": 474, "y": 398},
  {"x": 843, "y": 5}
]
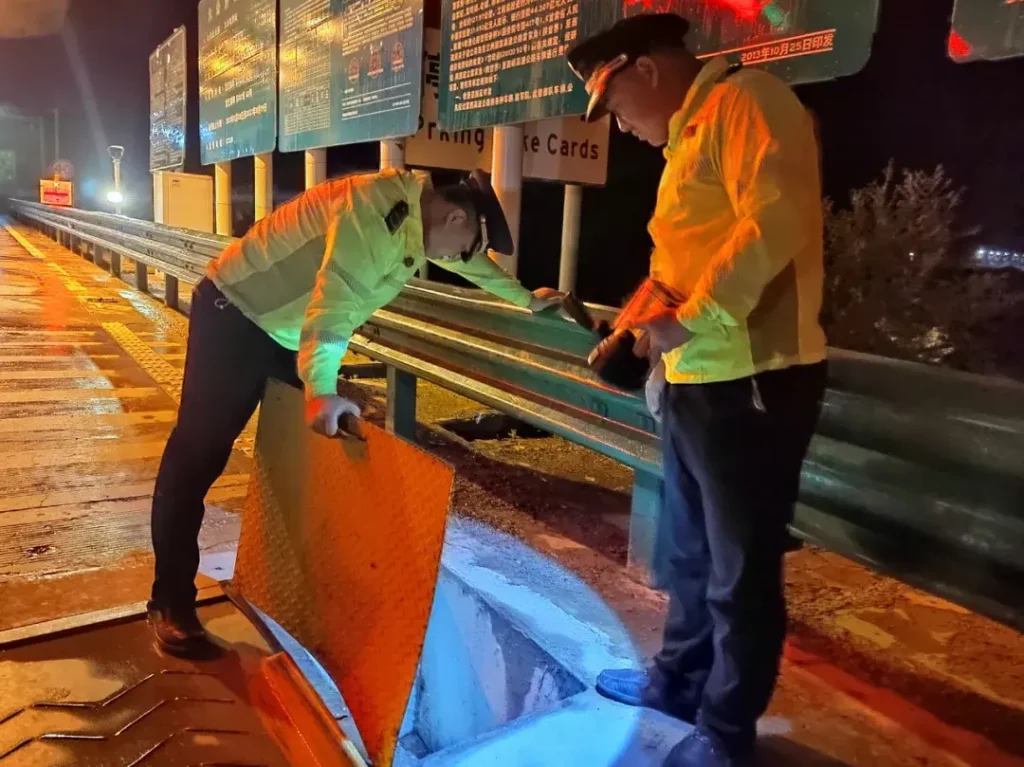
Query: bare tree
[{"x": 895, "y": 284}]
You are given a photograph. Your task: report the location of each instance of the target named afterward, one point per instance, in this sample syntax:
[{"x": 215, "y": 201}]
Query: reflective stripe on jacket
[
  {"x": 738, "y": 227},
  {"x": 314, "y": 270}
]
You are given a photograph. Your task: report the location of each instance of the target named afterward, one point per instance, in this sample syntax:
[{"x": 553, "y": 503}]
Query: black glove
[{"x": 615, "y": 362}]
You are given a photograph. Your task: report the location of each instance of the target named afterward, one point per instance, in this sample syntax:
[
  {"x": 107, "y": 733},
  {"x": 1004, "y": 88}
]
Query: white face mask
[{"x": 481, "y": 248}]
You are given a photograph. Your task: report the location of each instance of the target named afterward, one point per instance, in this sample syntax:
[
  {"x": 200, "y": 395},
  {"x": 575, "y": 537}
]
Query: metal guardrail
[{"x": 915, "y": 471}]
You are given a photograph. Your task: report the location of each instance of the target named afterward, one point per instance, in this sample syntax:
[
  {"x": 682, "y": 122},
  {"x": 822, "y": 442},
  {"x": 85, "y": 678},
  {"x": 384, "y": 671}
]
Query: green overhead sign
[
  {"x": 237, "y": 78},
  {"x": 987, "y": 30},
  {"x": 168, "y": 70},
  {"x": 350, "y": 71},
  {"x": 800, "y": 41},
  {"x": 503, "y": 61}
]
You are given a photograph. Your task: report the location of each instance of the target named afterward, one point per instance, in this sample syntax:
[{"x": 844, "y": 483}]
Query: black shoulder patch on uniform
[
  {"x": 733, "y": 69},
  {"x": 396, "y": 217}
]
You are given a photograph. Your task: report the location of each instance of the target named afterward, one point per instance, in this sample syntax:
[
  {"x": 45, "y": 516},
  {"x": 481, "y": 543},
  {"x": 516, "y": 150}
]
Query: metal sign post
[
  {"x": 116, "y": 196},
  {"x": 508, "y": 185},
  {"x": 572, "y": 214},
  {"x": 222, "y": 198},
  {"x": 264, "y": 182},
  {"x": 316, "y": 167}
]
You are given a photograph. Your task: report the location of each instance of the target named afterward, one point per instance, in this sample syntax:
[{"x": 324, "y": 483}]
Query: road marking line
[
  {"x": 5, "y": 344},
  {"x": 45, "y": 332},
  {"x": 56, "y": 357},
  {"x": 83, "y": 422},
  {"x": 82, "y": 452},
  {"x": 69, "y": 282},
  {"x": 61, "y": 395},
  {"x": 43, "y": 375},
  {"x": 166, "y": 375},
  {"x": 100, "y": 494}
]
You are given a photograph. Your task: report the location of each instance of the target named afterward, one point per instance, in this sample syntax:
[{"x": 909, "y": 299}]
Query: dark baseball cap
[
  {"x": 596, "y": 59},
  {"x": 493, "y": 233}
]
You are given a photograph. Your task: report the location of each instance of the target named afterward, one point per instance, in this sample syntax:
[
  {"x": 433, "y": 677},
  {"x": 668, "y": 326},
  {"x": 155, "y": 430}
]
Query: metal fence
[{"x": 915, "y": 471}]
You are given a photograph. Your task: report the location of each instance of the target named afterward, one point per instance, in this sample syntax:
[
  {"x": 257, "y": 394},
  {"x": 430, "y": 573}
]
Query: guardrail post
[
  {"x": 115, "y": 263},
  {"x": 141, "y": 277},
  {"x": 401, "y": 413},
  {"x": 171, "y": 291},
  {"x": 645, "y": 522}
]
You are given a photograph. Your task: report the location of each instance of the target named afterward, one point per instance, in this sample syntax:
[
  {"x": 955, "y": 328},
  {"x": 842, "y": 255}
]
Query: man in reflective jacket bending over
[{"x": 283, "y": 302}]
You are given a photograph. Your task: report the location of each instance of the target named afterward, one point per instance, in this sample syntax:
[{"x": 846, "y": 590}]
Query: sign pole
[
  {"x": 572, "y": 212},
  {"x": 508, "y": 184},
  {"x": 392, "y": 154},
  {"x": 222, "y": 198},
  {"x": 316, "y": 167},
  {"x": 264, "y": 178}
]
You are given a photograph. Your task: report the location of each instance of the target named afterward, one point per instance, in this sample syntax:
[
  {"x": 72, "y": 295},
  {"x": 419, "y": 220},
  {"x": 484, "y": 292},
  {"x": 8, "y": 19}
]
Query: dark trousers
[
  {"x": 733, "y": 453},
  {"x": 227, "y": 365}
]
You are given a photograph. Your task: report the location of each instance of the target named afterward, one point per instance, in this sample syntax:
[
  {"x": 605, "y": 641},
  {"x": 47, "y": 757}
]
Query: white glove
[
  {"x": 545, "y": 298},
  {"x": 323, "y": 413},
  {"x": 655, "y": 390}
]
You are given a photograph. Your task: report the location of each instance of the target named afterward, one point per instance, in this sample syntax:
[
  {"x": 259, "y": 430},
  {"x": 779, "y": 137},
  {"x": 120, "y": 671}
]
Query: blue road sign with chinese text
[
  {"x": 237, "y": 78},
  {"x": 503, "y": 61},
  {"x": 168, "y": 81},
  {"x": 350, "y": 71}
]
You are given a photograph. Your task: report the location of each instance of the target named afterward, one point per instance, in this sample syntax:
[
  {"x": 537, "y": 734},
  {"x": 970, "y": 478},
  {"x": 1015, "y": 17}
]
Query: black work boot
[{"x": 179, "y": 633}]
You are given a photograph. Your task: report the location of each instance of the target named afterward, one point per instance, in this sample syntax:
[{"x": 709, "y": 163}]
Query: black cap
[
  {"x": 597, "y": 58},
  {"x": 493, "y": 233}
]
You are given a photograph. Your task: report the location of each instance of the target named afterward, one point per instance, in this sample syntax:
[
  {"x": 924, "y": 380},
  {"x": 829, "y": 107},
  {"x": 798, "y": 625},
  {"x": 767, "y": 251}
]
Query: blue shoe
[
  {"x": 624, "y": 685},
  {"x": 702, "y": 748},
  {"x": 636, "y": 687}
]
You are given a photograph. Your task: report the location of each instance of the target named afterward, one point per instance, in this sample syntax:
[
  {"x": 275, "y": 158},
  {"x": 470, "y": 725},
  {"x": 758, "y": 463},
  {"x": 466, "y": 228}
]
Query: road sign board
[
  {"x": 503, "y": 61},
  {"x": 60, "y": 194},
  {"x": 801, "y": 41},
  {"x": 350, "y": 71},
  {"x": 237, "y": 78},
  {"x": 560, "y": 149},
  {"x": 987, "y": 30},
  {"x": 168, "y": 88}
]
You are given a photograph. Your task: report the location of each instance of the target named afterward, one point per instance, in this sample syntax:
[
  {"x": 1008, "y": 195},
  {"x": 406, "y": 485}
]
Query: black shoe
[
  {"x": 702, "y": 748},
  {"x": 179, "y": 633}
]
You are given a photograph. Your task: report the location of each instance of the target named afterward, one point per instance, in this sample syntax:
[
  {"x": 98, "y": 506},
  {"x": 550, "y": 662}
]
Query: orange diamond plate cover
[{"x": 340, "y": 544}]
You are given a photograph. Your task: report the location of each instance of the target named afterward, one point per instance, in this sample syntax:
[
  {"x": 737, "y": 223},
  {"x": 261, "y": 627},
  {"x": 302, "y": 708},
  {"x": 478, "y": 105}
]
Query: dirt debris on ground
[{"x": 573, "y": 505}]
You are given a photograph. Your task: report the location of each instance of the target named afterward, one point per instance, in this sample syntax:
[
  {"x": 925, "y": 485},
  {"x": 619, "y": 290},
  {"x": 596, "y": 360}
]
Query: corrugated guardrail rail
[{"x": 915, "y": 471}]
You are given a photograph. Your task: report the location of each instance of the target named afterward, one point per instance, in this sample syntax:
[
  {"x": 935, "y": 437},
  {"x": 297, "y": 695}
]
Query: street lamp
[{"x": 115, "y": 196}]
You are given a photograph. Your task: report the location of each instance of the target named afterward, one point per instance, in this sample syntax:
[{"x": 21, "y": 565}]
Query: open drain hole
[{"x": 492, "y": 426}]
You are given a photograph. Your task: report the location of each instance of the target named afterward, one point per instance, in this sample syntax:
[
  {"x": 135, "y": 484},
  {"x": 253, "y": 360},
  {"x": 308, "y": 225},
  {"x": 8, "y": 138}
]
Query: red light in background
[
  {"x": 746, "y": 10},
  {"x": 958, "y": 47}
]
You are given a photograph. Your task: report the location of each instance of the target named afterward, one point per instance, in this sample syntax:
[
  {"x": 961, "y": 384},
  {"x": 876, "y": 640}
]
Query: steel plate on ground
[
  {"x": 340, "y": 544},
  {"x": 106, "y": 697}
]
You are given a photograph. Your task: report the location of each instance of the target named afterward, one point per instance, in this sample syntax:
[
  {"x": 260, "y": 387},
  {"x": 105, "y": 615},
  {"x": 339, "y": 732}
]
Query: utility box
[{"x": 184, "y": 200}]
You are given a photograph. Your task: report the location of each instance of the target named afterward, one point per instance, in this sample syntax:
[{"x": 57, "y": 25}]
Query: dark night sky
[{"x": 910, "y": 103}]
